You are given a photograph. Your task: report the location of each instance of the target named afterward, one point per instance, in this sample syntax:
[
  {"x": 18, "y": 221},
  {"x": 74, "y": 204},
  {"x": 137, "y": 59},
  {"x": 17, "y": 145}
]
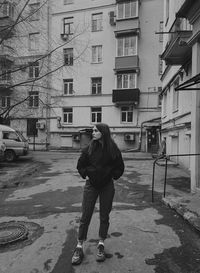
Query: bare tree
[{"x": 27, "y": 55}]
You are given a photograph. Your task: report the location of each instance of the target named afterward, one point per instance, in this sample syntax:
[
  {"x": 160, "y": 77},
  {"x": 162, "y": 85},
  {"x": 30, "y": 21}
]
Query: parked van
[{"x": 16, "y": 144}]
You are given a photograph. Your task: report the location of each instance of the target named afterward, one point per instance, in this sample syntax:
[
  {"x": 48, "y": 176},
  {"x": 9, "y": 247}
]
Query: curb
[{"x": 191, "y": 217}]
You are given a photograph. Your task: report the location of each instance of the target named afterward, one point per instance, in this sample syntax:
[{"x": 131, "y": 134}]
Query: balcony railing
[
  {"x": 5, "y": 84},
  {"x": 127, "y": 63},
  {"x": 177, "y": 51},
  {"x": 126, "y": 96},
  {"x": 125, "y": 27}
]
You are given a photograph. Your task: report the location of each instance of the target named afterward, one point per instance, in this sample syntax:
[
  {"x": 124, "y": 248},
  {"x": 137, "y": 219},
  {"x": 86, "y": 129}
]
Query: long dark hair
[{"x": 109, "y": 146}]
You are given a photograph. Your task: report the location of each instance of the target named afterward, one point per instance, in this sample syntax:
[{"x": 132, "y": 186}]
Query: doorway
[{"x": 153, "y": 139}]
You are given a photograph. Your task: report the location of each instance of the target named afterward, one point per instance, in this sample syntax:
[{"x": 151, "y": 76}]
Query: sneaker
[
  {"x": 100, "y": 253},
  {"x": 77, "y": 256}
]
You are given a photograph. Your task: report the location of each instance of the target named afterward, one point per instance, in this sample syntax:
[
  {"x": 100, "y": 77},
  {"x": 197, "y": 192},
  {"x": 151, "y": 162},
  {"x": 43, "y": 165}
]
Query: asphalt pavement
[{"x": 44, "y": 191}]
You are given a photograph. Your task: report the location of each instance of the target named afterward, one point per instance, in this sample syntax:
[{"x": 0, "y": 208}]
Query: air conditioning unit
[
  {"x": 64, "y": 36},
  {"x": 40, "y": 125},
  {"x": 129, "y": 137},
  {"x": 76, "y": 137}
]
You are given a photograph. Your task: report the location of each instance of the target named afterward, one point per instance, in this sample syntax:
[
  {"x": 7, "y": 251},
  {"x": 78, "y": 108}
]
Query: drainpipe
[{"x": 48, "y": 96}]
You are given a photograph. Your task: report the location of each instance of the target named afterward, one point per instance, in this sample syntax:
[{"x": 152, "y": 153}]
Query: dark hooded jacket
[{"x": 99, "y": 167}]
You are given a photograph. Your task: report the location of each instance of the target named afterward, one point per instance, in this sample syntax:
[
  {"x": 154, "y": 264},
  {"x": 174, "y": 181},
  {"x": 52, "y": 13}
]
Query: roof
[
  {"x": 186, "y": 8},
  {"x": 6, "y": 128}
]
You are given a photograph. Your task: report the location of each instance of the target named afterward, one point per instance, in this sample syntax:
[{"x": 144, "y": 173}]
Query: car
[{"x": 15, "y": 142}]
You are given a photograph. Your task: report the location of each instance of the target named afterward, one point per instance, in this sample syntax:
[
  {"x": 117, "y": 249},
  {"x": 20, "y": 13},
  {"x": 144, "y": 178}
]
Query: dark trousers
[{"x": 90, "y": 196}]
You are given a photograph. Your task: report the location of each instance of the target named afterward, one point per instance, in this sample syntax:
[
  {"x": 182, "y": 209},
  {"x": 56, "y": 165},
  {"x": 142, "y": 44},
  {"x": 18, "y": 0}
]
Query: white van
[{"x": 16, "y": 144}]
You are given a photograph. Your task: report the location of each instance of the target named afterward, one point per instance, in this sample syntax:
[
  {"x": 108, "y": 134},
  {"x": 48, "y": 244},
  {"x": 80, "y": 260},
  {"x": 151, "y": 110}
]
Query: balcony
[
  {"x": 5, "y": 79},
  {"x": 127, "y": 63},
  {"x": 177, "y": 51},
  {"x": 7, "y": 19},
  {"x": 6, "y": 54},
  {"x": 6, "y": 30},
  {"x": 5, "y": 84},
  {"x": 128, "y": 26},
  {"x": 126, "y": 96},
  {"x": 189, "y": 10}
]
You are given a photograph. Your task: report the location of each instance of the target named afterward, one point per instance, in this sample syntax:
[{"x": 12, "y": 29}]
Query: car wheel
[{"x": 10, "y": 155}]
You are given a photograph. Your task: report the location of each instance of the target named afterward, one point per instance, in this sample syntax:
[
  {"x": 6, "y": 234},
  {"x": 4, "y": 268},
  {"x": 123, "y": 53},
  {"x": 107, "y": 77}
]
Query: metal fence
[{"x": 156, "y": 162}]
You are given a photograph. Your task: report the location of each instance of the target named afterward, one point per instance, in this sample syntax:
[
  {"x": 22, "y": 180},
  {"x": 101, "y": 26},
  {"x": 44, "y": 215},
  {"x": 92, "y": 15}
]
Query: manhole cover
[{"x": 11, "y": 232}]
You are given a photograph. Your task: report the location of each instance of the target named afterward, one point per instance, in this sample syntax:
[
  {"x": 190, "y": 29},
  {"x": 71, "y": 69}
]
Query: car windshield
[{"x": 21, "y": 136}]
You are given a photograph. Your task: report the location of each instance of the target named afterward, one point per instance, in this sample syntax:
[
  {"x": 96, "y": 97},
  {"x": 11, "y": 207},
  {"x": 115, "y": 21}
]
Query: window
[
  {"x": 5, "y": 101},
  {"x": 127, "y": 80},
  {"x": 96, "y": 85},
  {"x": 34, "y": 70},
  {"x": 67, "y": 2},
  {"x": 6, "y": 75},
  {"x": 127, "y": 9},
  {"x": 33, "y": 99},
  {"x": 34, "y": 41},
  {"x": 96, "y": 114},
  {"x": 159, "y": 100},
  {"x": 7, "y": 10},
  {"x": 175, "y": 96},
  {"x": 97, "y": 22},
  {"x": 34, "y": 12},
  {"x": 167, "y": 11},
  {"x": 127, "y": 114},
  {"x": 68, "y": 115},
  {"x": 11, "y": 136},
  {"x": 68, "y": 56},
  {"x": 161, "y": 32},
  {"x": 31, "y": 127},
  {"x": 96, "y": 54},
  {"x": 160, "y": 65},
  {"x": 164, "y": 104},
  {"x": 68, "y": 86},
  {"x": 68, "y": 25},
  {"x": 127, "y": 46}
]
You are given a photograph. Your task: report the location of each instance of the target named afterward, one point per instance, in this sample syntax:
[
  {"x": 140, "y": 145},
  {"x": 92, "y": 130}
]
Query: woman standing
[{"x": 100, "y": 162}]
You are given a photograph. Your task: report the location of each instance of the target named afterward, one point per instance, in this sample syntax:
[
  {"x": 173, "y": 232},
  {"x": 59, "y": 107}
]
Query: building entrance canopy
[{"x": 187, "y": 85}]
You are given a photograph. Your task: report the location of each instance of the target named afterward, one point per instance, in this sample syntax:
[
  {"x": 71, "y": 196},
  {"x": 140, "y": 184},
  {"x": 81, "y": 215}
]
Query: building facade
[
  {"x": 180, "y": 95},
  {"x": 69, "y": 64},
  {"x": 24, "y": 65},
  {"x": 111, "y": 71}
]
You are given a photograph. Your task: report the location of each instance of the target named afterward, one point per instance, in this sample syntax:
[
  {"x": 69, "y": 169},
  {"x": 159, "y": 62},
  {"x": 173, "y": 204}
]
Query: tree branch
[{"x": 15, "y": 22}]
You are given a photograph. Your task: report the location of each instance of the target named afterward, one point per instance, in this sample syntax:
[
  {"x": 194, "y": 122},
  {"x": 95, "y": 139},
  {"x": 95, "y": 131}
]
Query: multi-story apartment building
[
  {"x": 110, "y": 70},
  {"x": 71, "y": 63},
  {"x": 180, "y": 95},
  {"x": 24, "y": 62}
]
